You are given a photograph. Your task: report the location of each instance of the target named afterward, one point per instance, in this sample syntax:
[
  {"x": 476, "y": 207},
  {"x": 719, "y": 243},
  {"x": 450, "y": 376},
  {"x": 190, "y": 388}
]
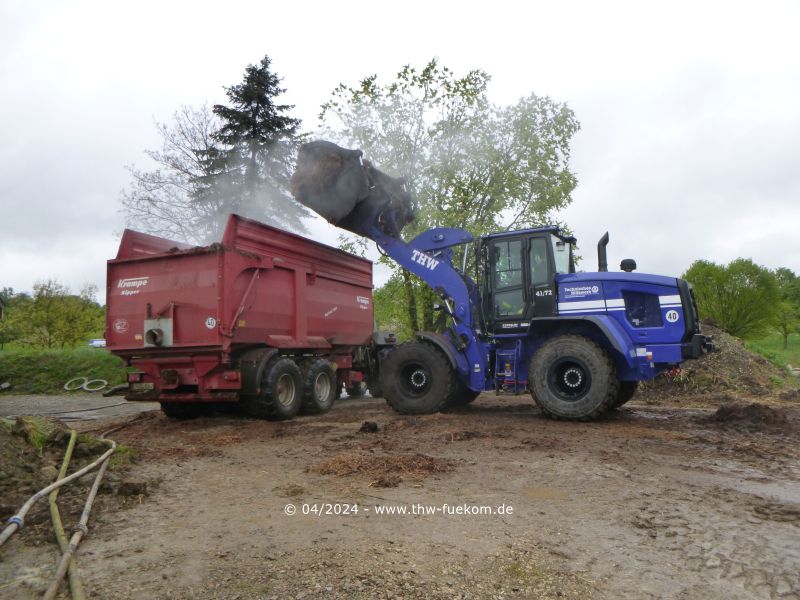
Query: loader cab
[{"x": 518, "y": 276}]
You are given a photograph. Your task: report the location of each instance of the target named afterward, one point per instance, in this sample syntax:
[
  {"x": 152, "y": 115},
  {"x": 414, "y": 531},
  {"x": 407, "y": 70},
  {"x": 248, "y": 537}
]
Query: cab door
[
  {"x": 540, "y": 277},
  {"x": 508, "y": 298},
  {"x": 520, "y": 282}
]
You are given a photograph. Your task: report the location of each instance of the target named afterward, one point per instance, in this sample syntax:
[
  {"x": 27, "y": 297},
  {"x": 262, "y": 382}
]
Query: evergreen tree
[
  {"x": 257, "y": 142},
  {"x": 213, "y": 162}
]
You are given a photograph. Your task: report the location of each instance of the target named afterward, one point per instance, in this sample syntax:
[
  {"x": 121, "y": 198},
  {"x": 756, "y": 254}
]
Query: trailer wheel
[
  {"x": 573, "y": 378},
  {"x": 319, "y": 386},
  {"x": 280, "y": 396},
  {"x": 417, "y": 379},
  {"x": 627, "y": 389},
  {"x": 183, "y": 410}
]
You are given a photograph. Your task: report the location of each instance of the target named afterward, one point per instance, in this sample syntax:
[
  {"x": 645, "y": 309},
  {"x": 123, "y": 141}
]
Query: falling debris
[{"x": 350, "y": 192}]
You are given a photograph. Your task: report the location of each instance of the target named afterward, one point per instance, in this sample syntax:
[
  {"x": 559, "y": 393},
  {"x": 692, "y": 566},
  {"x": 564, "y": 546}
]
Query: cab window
[
  {"x": 508, "y": 264},
  {"x": 509, "y": 295},
  {"x": 538, "y": 261},
  {"x": 509, "y": 304}
]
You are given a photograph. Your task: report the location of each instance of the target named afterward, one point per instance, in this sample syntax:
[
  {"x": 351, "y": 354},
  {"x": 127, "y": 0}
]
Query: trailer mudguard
[{"x": 251, "y": 365}]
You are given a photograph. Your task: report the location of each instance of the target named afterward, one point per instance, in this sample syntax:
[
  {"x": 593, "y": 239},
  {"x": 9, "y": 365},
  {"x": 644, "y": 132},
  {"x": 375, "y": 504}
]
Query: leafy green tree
[
  {"x": 391, "y": 308},
  {"x": 470, "y": 163},
  {"x": 13, "y": 325},
  {"x": 55, "y": 318},
  {"x": 741, "y": 297},
  {"x": 788, "y": 312}
]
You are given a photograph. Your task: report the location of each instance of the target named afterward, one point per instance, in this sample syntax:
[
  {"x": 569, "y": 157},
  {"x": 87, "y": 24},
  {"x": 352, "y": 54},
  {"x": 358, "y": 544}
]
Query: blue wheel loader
[{"x": 522, "y": 319}]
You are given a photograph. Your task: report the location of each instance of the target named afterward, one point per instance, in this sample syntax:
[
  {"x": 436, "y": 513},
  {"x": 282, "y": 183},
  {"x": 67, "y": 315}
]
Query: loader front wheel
[
  {"x": 627, "y": 389},
  {"x": 417, "y": 379},
  {"x": 572, "y": 378},
  {"x": 281, "y": 392}
]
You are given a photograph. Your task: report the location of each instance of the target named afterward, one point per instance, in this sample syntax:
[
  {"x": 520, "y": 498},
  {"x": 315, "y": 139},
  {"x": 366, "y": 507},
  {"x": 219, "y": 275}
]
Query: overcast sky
[{"x": 690, "y": 112}]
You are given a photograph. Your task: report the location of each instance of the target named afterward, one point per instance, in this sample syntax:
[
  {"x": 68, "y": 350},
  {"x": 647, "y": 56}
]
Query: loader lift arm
[
  {"x": 429, "y": 257},
  {"x": 351, "y": 193}
]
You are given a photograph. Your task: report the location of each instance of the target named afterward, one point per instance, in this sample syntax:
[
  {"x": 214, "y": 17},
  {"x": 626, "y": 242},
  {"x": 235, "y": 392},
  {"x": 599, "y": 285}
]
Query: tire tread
[{"x": 611, "y": 393}]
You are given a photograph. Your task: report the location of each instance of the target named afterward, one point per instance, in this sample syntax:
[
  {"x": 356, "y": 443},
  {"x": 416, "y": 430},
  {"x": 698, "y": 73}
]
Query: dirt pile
[
  {"x": 383, "y": 470},
  {"x": 750, "y": 414},
  {"x": 719, "y": 376}
]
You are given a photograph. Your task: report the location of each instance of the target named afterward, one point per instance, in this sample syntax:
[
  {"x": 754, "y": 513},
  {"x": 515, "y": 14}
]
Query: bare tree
[{"x": 170, "y": 200}]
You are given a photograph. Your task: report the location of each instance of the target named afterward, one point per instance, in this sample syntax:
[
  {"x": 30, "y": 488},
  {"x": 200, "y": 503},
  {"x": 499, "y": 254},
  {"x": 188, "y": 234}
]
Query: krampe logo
[{"x": 133, "y": 282}]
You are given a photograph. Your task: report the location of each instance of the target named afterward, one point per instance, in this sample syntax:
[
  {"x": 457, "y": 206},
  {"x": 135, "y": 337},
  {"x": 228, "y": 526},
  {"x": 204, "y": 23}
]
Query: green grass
[
  {"x": 46, "y": 371},
  {"x": 771, "y": 347},
  {"x": 123, "y": 457}
]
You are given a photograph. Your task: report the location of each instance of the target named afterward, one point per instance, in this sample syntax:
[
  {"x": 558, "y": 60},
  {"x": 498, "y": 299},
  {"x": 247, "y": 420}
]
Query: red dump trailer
[{"x": 266, "y": 318}]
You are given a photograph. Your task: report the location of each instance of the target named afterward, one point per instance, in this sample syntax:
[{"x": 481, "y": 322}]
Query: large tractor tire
[
  {"x": 417, "y": 379},
  {"x": 573, "y": 378},
  {"x": 627, "y": 389},
  {"x": 463, "y": 396},
  {"x": 319, "y": 386},
  {"x": 281, "y": 394}
]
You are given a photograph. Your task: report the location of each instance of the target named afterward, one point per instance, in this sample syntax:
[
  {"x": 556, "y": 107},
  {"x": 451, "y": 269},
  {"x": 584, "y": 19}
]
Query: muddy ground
[{"x": 652, "y": 502}]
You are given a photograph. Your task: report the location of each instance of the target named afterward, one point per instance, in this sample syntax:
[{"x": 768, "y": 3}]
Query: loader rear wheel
[
  {"x": 319, "y": 387},
  {"x": 572, "y": 378},
  {"x": 280, "y": 396},
  {"x": 417, "y": 379},
  {"x": 627, "y": 389},
  {"x": 463, "y": 396}
]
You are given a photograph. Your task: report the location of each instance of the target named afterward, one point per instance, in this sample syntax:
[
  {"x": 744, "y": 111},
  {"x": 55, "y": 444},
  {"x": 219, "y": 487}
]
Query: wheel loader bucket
[{"x": 349, "y": 192}]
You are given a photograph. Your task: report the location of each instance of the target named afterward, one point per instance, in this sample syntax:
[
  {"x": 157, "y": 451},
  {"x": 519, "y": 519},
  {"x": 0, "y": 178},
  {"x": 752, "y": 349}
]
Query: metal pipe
[{"x": 602, "y": 259}]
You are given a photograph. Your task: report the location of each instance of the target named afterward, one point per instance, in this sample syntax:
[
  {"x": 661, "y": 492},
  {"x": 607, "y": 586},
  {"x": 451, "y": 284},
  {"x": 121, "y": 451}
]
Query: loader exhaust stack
[{"x": 350, "y": 192}]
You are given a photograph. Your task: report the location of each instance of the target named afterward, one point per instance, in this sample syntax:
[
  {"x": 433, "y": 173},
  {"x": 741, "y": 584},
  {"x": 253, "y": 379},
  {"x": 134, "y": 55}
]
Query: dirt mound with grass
[
  {"x": 31, "y": 452},
  {"x": 731, "y": 371}
]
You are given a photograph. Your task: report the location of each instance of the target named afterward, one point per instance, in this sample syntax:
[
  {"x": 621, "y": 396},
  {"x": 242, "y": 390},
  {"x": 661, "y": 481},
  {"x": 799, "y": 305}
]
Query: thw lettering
[{"x": 425, "y": 260}]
